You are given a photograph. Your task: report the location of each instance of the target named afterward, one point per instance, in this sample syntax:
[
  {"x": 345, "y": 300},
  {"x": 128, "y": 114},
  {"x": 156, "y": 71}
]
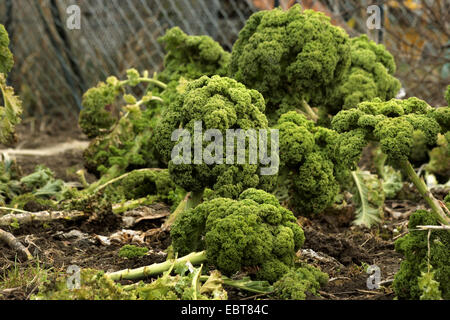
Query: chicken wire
[{"x": 55, "y": 65}]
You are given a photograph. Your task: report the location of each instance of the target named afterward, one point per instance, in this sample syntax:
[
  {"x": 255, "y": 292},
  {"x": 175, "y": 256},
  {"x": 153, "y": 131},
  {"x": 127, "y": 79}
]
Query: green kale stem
[
  {"x": 132, "y": 204},
  {"x": 146, "y": 80},
  {"x": 191, "y": 200},
  {"x": 259, "y": 287},
  {"x": 194, "y": 258},
  {"x": 82, "y": 177},
  {"x": 13, "y": 210},
  {"x": 436, "y": 208},
  {"x": 194, "y": 199},
  {"x": 104, "y": 185},
  {"x": 171, "y": 219}
]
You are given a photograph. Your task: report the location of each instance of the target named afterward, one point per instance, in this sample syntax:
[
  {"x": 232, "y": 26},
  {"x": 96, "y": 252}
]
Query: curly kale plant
[
  {"x": 253, "y": 233},
  {"x": 189, "y": 58},
  {"x": 310, "y": 166},
  {"x": 124, "y": 142},
  {"x": 11, "y": 111},
  {"x": 98, "y": 114},
  {"x": 291, "y": 57},
  {"x": 393, "y": 125},
  {"x": 130, "y": 251},
  {"x": 297, "y": 283},
  {"x": 145, "y": 186},
  {"x": 216, "y": 103},
  {"x": 439, "y": 157},
  {"x": 408, "y": 282},
  {"x": 369, "y": 76},
  {"x": 6, "y": 57}
]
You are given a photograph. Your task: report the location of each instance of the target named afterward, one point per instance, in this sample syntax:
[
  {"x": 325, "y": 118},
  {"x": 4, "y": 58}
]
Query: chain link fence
[{"x": 55, "y": 65}]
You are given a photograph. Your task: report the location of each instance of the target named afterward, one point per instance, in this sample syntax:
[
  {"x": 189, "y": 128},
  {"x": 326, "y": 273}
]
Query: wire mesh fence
[{"x": 55, "y": 64}]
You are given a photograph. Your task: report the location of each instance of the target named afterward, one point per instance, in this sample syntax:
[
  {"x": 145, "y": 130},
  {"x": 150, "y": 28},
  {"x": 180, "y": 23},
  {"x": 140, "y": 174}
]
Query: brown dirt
[
  {"x": 43, "y": 134},
  {"x": 56, "y": 251}
]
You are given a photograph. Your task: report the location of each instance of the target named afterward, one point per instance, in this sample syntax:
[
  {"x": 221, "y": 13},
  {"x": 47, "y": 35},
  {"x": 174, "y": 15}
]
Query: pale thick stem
[
  {"x": 239, "y": 285},
  {"x": 25, "y": 217},
  {"x": 15, "y": 244},
  {"x": 310, "y": 111},
  {"x": 425, "y": 193},
  {"x": 146, "y": 80},
  {"x": 133, "y": 204},
  {"x": 195, "y": 258},
  {"x": 103, "y": 186},
  {"x": 82, "y": 177},
  {"x": 180, "y": 209}
]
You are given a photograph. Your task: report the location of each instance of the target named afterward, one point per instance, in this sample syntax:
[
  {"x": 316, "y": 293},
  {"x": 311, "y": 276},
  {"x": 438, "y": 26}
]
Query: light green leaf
[{"x": 369, "y": 198}]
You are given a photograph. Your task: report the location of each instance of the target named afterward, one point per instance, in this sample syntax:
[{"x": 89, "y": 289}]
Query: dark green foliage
[
  {"x": 311, "y": 165},
  {"x": 414, "y": 248},
  {"x": 394, "y": 124},
  {"x": 369, "y": 76},
  {"x": 297, "y": 283},
  {"x": 254, "y": 231},
  {"x": 290, "y": 56},
  {"x": 130, "y": 251},
  {"x": 219, "y": 103}
]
